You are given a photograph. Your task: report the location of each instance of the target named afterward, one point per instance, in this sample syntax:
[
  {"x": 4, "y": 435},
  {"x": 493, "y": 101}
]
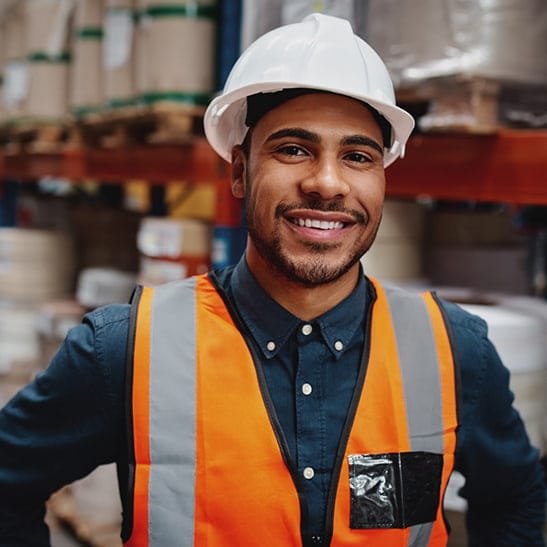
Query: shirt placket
[{"x": 310, "y": 415}]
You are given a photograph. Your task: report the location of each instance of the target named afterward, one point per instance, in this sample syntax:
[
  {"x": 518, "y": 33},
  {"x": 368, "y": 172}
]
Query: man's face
[{"x": 313, "y": 184}]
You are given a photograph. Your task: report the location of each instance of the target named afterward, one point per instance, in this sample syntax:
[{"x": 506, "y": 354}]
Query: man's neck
[{"x": 307, "y": 303}]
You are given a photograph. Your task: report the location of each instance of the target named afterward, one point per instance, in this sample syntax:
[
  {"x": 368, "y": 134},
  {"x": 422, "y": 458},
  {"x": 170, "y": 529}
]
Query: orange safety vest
[{"x": 209, "y": 465}]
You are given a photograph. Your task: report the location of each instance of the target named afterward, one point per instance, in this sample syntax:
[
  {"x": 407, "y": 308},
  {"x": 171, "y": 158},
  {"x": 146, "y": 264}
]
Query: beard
[{"x": 314, "y": 268}]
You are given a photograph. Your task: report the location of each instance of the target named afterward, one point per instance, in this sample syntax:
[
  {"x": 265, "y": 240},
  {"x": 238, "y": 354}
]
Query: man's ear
[{"x": 239, "y": 164}]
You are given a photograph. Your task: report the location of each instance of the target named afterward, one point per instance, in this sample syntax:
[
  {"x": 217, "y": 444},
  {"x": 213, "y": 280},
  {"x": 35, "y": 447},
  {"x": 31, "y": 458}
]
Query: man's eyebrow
[
  {"x": 362, "y": 141},
  {"x": 299, "y": 133},
  {"x": 295, "y": 132}
]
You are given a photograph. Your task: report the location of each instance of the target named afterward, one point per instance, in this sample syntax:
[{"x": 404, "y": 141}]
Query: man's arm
[
  {"x": 504, "y": 478},
  {"x": 61, "y": 426}
]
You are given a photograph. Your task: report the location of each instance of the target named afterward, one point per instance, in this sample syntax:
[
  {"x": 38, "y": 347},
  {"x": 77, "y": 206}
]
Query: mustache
[{"x": 319, "y": 205}]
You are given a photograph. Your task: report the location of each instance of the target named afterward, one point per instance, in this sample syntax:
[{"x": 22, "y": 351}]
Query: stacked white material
[
  {"x": 15, "y": 64},
  {"x": 2, "y": 65},
  {"x": 176, "y": 52},
  {"x": 102, "y": 286},
  {"x": 35, "y": 265},
  {"x": 173, "y": 249},
  {"x": 18, "y": 337},
  {"x": 260, "y": 16},
  {"x": 119, "y": 53},
  {"x": 396, "y": 255},
  {"x": 423, "y": 39},
  {"x": 19, "y": 348},
  {"x": 48, "y": 28},
  {"x": 86, "y": 86},
  {"x": 477, "y": 249},
  {"x": 521, "y": 341},
  {"x": 517, "y": 326},
  {"x": 53, "y": 321}
]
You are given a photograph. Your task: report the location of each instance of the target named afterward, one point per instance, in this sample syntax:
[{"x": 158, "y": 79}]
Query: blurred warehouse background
[{"x": 106, "y": 180}]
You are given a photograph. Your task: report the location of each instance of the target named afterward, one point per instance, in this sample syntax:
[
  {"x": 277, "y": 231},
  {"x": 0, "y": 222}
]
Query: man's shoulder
[
  {"x": 468, "y": 335},
  {"x": 461, "y": 319},
  {"x": 111, "y": 314},
  {"x": 457, "y": 318}
]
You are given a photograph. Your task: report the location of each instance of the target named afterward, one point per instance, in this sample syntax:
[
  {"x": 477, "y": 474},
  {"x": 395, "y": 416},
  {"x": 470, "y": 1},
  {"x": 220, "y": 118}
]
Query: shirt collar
[
  {"x": 339, "y": 324},
  {"x": 271, "y": 325}
]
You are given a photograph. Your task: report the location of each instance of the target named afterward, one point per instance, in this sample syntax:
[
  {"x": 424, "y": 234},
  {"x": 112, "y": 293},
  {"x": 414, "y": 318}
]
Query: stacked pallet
[
  {"x": 172, "y": 249},
  {"x": 35, "y": 266},
  {"x": 397, "y": 253},
  {"x": 466, "y": 65},
  {"x": 105, "y": 72},
  {"x": 472, "y": 66}
]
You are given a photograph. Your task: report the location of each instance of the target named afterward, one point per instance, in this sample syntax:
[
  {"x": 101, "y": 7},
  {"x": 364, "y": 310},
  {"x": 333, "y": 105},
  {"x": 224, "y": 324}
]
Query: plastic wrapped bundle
[
  {"x": 423, "y": 39},
  {"x": 2, "y": 67},
  {"x": 86, "y": 92},
  {"x": 119, "y": 53},
  {"x": 397, "y": 251},
  {"x": 172, "y": 249},
  {"x": 35, "y": 265},
  {"x": 102, "y": 286},
  {"x": 260, "y": 16},
  {"x": 15, "y": 64},
  {"x": 176, "y": 52},
  {"x": 19, "y": 348},
  {"x": 478, "y": 63},
  {"x": 47, "y": 23}
]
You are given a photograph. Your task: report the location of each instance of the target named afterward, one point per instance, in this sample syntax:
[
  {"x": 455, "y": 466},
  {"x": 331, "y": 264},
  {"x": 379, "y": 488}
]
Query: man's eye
[
  {"x": 358, "y": 157},
  {"x": 291, "y": 150}
]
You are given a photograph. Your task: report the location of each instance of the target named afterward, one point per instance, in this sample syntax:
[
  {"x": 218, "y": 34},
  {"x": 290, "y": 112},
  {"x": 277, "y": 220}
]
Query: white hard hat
[{"x": 321, "y": 52}]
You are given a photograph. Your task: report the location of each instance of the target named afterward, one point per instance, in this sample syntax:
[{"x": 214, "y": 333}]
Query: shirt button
[
  {"x": 306, "y": 389},
  {"x": 306, "y": 329},
  {"x": 270, "y": 346},
  {"x": 309, "y": 473},
  {"x": 338, "y": 346}
]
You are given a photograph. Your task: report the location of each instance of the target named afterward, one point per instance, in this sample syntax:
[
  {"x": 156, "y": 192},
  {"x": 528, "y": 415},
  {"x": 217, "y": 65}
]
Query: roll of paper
[{"x": 517, "y": 326}]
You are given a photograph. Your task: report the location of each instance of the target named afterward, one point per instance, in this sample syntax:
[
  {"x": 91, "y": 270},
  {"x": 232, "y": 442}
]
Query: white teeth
[{"x": 319, "y": 224}]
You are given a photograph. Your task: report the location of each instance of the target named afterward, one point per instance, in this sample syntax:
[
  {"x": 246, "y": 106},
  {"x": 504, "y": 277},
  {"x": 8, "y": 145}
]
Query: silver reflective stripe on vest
[
  {"x": 421, "y": 380},
  {"x": 172, "y": 414}
]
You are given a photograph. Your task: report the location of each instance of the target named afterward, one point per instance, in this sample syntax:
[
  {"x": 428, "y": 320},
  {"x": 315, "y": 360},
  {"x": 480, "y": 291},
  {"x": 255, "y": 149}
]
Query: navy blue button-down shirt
[
  {"x": 71, "y": 418},
  {"x": 310, "y": 369}
]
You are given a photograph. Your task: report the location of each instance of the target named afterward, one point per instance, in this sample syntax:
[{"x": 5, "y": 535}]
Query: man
[{"x": 288, "y": 400}]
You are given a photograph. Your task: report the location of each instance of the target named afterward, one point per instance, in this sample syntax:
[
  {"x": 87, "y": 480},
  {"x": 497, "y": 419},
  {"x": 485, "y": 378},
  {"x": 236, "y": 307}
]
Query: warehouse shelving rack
[{"x": 509, "y": 166}]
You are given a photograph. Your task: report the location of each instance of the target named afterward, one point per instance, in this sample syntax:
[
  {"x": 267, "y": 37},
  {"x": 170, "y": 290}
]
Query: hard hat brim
[{"x": 224, "y": 120}]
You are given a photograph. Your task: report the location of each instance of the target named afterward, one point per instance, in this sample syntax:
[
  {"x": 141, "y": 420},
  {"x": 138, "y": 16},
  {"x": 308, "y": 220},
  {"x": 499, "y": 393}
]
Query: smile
[{"x": 318, "y": 224}]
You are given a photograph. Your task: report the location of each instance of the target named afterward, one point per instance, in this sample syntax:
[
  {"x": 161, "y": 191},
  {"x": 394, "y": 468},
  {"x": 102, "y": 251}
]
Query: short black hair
[{"x": 261, "y": 103}]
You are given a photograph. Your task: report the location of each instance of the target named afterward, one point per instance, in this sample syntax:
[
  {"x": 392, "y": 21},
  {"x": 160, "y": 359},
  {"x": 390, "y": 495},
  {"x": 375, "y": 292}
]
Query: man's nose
[{"x": 325, "y": 181}]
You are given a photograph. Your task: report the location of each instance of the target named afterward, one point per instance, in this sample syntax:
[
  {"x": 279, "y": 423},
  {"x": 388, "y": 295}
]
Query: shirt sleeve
[
  {"x": 504, "y": 484},
  {"x": 65, "y": 423}
]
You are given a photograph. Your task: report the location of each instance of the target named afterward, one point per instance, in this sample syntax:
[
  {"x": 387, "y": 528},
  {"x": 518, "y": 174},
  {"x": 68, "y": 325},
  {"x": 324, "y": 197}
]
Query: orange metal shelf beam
[
  {"x": 194, "y": 162},
  {"x": 158, "y": 164},
  {"x": 31, "y": 167},
  {"x": 510, "y": 166}
]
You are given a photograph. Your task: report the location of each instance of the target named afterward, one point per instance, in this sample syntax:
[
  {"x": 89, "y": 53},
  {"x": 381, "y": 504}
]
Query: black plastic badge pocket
[{"x": 394, "y": 490}]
